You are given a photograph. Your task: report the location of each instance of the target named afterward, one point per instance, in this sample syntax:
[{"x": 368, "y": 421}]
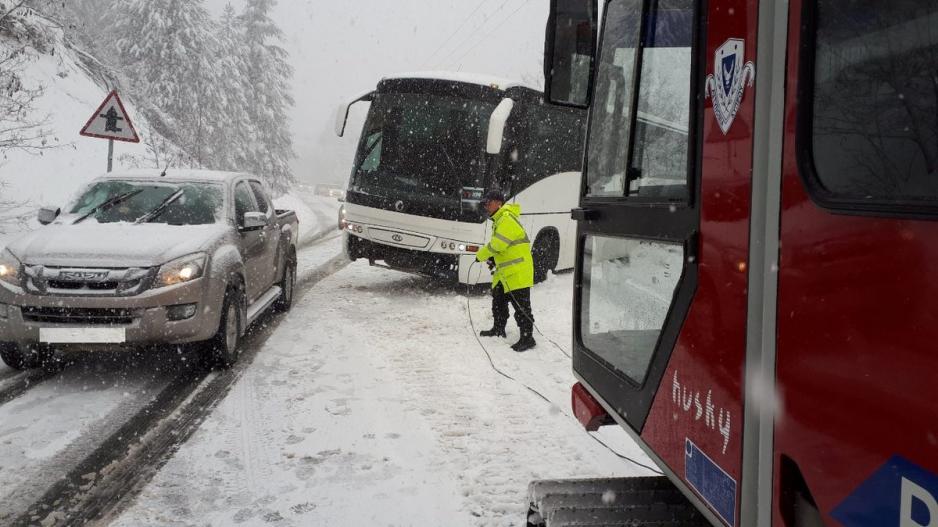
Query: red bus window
[
  {"x": 612, "y": 103},
  {"x": 642, "y": 152},
  {"x": 874, "y": 129},
  {"x": 628, "y": 289}
]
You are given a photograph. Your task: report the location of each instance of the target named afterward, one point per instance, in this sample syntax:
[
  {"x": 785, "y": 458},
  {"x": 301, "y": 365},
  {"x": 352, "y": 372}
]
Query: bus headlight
[
  {"x": 343, "y": 219},
  {"x": 10, "y": 268},
  {"x": 181, "y": 270},
  {"x": 457, "y": 247}
]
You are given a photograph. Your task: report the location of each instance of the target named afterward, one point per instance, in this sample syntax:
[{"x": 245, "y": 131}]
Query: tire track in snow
[
  {"x": 6, "y": 373},
  {"x": 21, "y": 382}
]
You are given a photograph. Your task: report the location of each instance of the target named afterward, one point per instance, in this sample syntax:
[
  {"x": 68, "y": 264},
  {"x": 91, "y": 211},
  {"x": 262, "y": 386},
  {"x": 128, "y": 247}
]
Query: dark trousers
[{"x": 519, "y": 299}]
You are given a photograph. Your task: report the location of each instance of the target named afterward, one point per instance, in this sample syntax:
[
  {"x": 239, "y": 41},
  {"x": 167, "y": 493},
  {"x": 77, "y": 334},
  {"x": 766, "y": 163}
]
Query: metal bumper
[
  {"x": 446, "y": 266},
  {"x": 143, "y": 317}
]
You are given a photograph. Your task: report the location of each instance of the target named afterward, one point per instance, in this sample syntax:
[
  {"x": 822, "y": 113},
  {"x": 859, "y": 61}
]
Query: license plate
[{"x": 82, "y": 335}]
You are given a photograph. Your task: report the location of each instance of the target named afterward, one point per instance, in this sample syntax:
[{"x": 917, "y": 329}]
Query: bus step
[{"x": 632, "y": 502}]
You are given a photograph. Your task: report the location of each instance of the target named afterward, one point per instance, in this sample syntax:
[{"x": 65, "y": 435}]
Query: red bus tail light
[{"x": 587, "y": 410}]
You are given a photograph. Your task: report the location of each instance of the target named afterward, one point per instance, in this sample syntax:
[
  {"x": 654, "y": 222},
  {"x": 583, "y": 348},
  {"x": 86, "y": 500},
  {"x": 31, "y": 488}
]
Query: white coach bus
[{"x": 432, "y": 144}]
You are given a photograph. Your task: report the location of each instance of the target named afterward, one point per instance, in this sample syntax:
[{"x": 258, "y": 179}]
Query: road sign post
[{"x": 112, "y": 122}]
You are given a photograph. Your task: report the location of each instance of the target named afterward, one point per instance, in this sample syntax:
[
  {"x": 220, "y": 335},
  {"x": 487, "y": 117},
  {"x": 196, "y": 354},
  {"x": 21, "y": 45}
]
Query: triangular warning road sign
[{"x": 111, "y": 121}]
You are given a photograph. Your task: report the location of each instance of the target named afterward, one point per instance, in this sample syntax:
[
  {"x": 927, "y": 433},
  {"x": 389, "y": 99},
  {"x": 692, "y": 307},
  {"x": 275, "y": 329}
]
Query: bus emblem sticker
[{"x": 728, "y": 82}]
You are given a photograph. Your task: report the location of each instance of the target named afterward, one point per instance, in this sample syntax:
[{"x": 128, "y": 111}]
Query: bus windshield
[{"x": 422, "y": 144}]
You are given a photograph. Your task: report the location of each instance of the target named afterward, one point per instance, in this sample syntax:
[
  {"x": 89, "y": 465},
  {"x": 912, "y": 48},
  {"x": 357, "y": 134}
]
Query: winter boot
[
  {"x": 494, "y": 332},
  {"x": 527, "y": 342}
]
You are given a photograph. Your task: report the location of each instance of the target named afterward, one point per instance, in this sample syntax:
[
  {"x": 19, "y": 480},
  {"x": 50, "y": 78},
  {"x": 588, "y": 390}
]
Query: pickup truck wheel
[
  {"x": 222, "y": 350},
  {"x": 23, "y": 359},
  {"x": 287, "y": 287}
]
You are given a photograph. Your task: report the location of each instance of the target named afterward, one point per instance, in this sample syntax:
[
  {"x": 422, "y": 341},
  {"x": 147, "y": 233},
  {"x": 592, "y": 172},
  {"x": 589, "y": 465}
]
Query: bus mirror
[
  {"x": 570, "y": 52},
  {"x": 341, "y": 117},
  {"x": 497, "y": 124},
  {"x": 341, "y": 114}
]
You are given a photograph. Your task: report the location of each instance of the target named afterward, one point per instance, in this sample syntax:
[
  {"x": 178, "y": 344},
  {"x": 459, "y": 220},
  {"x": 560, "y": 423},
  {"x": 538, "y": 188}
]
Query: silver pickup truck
[{"x": 141, "y": 258}]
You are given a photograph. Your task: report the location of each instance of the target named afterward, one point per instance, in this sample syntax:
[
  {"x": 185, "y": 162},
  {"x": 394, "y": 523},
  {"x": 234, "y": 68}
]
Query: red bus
[{"x": 756, "y": 294}]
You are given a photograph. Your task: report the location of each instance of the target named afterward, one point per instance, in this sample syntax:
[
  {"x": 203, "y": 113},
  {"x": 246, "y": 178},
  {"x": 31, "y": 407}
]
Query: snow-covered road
[{"x": 373, "y": 403}]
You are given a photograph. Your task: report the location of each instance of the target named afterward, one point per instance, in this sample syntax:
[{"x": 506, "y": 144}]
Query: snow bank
[{"x": 318, "y": 215}]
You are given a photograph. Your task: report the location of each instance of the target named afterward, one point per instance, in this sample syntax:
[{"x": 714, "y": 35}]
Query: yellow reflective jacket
[{"x": 511, "y": 249}]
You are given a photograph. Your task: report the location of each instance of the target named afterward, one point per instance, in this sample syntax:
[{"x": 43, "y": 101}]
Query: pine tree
[
  {"x": 268, "y": 87},
  {"x": 234, "y": 137},
  {"x": 166, "y": 48}
]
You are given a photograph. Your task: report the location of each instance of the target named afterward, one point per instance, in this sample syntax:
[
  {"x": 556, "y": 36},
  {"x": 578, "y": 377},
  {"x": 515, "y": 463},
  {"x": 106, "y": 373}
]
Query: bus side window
[{"x": 549, "y": 141}]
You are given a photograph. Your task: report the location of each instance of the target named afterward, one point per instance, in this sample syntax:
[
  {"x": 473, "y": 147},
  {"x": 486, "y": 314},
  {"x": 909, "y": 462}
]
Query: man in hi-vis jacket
[{"x": 509, "y": 257}]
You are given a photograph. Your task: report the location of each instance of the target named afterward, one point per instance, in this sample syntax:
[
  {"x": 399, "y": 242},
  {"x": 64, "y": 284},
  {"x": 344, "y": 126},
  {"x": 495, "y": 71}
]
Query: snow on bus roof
[
  {"x": 173, "y": 174},
  {"x": 468, "y": 78}
]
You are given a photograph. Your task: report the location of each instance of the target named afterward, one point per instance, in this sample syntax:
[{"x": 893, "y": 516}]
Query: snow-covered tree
[
  {"x": 234, "y": 137},
  {"x": 166, "y": 48},
  {"x": 24, "y": 33},
  {"x": 268, "y": 77}
]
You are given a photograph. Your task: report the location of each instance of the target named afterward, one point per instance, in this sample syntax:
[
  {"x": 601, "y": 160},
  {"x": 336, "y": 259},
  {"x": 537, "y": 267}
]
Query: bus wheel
[{"x": 546, "y": 253}]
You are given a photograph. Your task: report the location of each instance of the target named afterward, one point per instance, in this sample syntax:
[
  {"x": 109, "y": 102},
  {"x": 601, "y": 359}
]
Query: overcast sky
[{"x": 342, "y": 48}]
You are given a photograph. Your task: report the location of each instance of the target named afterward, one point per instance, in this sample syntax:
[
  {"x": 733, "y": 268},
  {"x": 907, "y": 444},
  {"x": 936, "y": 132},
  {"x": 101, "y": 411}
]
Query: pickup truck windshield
[{"x": 125, "y": 201}]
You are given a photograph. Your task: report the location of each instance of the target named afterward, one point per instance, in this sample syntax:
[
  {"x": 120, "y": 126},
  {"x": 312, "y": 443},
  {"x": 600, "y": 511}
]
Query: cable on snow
[{"x": 497, "y": 370}]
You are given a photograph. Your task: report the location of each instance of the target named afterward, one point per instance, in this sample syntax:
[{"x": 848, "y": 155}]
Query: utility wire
[
  {"x": 490, "y": 33},
  {"x": 472, "y": 33},
  {"x": 454, "y": 33},
  {"x": 534, "y": 391}
]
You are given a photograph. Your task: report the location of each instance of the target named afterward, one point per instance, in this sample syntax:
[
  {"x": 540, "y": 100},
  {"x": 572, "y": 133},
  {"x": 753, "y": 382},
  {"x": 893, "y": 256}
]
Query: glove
[{"x": 491, "y": 263}]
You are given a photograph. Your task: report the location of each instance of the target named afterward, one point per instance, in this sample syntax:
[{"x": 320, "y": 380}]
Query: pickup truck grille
[
  {"x": 83, "y": 316},
  {"x": 87, "y": 282},
  {"x": 90, "y": 286}
]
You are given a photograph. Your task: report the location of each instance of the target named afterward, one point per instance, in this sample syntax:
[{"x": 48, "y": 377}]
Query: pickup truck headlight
[
  {"x": 11, "y": 270},
  {"x": 181, "y": 270}
]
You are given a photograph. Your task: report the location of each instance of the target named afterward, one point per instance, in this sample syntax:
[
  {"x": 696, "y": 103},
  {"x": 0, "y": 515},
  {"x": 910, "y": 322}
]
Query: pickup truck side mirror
[
  {"x": 253, "y": 221},
  {"x": 47, "y": 215},
  {"x": 570, "y": 52}
]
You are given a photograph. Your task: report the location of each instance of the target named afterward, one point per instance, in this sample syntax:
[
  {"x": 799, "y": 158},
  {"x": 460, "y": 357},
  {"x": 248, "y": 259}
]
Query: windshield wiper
[
  {"x": 161, "y": 207},
  {"x": 109, "y": 203}
]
